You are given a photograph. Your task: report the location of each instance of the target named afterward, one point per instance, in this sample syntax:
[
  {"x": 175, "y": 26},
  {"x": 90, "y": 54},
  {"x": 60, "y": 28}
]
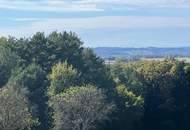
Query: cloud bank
[
  {"x": 106, "y": 22},
  {"x": 87, "y": 5}
]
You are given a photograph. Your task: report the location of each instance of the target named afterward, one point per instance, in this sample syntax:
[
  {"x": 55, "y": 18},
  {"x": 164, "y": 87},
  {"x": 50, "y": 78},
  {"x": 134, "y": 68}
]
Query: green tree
[
  {"x": 94, "y": 71},
  {"x": 56, "y": 47},
  {"x": 62, "y": 77},
  {"x": 130, "y": 109},
  {"x": 33, "y": 78},
  {"x": 14, "y": 109},
  {"x": 8, "y": 61},
  {"x": 64, "y": 47},
  {"x": 128, "y": 75},
  {"x": 131, "y": 100},
  {"x": 165, "y": 87},
  {"x": 181, "y": 94},
  {"x": 80, "y": 108}
]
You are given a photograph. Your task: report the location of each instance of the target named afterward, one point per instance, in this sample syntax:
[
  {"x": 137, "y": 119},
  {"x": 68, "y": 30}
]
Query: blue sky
[{"x": 120, "y": 23}]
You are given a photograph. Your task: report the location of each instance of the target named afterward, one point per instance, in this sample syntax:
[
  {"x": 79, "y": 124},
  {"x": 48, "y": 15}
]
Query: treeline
[{"x": 54, "y": 83}]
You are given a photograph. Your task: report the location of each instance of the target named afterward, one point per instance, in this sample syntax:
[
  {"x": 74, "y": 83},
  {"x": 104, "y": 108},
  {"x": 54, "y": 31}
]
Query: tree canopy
[{"x": 54, "y": 82}]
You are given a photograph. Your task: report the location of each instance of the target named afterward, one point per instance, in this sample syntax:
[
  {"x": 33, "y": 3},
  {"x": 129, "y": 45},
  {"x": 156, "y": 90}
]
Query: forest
[{"x": 54, "y": 82}]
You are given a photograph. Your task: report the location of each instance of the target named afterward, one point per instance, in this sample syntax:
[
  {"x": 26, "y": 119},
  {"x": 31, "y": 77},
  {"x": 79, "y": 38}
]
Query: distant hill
[{"x": 117, "y": 52}]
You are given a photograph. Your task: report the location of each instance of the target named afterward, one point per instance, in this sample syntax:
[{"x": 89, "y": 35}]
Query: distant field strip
[{"x": 186, "y": 59}]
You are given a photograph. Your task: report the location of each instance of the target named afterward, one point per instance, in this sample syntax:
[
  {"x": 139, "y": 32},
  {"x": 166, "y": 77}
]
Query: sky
[{"x": 101, "y": 23}]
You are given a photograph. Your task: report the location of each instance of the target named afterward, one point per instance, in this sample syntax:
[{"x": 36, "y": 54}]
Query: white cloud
[
  {"x": 87, "y": 5},
  {"x": 141, "y": 3},
  {"x": 113, "y": 22},
  {"x": 106, "y": 22},
  {"x": 47, "y": 5}
]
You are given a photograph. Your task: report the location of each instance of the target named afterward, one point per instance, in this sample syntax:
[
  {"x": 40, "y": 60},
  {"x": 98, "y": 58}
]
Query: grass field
[{"x": 186, "y": 59}]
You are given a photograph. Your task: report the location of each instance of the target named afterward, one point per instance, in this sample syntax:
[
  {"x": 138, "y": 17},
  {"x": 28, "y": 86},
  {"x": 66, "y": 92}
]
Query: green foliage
[
  {"x": 48, "y": 50},
  {"x": 56, "y": 47},
  {"x": 64, "y": 46},
  {"x": 166, "y": 82},
  {"x": 34, "y": 80},
  {"x": 164, "y": 88},
  {"x": 8, "y": 61},
  {"x": 62, "y": 77},
  {"x": 94, "y": 71},
  {"x": 32, "y": 76},
  {"x": 131, "y": 100},
  {"x": 14, "y": 109},
  {"x": 80, "y": 108},
  {"x": 128, "y": 75},
  {"x": 131, "y": 108},
  {"x": 149, "y": 95},
  {"x": 37, "y": 56}
]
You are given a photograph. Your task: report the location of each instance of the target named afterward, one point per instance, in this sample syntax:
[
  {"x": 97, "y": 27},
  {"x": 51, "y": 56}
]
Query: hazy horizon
[{"x": 140, "y": 46}]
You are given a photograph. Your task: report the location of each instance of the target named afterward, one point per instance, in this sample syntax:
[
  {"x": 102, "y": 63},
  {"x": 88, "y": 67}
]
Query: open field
[{"x": 186, "y": 59}]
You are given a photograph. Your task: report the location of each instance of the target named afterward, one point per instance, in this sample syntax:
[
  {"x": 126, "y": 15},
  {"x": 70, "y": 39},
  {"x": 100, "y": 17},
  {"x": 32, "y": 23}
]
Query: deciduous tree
[{"x": 80, "y": 108}]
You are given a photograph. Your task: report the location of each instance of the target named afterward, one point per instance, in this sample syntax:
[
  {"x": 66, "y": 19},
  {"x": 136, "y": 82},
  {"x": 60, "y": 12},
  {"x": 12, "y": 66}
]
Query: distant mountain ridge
[{"x": 119, "y": 52}]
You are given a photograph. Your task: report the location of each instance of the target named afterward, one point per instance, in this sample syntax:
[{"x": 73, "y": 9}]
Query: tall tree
[
  {"x": 63, "y": 76},
  {"x": 14, "y": 109},
  {"x": 94, "y": 71},
  {"x": 33, "y": 78},
  {"x": 8, "y": 61},
  {"x": 80, "y": 108}
]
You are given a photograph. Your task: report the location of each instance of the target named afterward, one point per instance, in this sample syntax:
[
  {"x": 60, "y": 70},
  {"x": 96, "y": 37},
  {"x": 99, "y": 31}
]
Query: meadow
[{"x": 185, "y": 59}]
